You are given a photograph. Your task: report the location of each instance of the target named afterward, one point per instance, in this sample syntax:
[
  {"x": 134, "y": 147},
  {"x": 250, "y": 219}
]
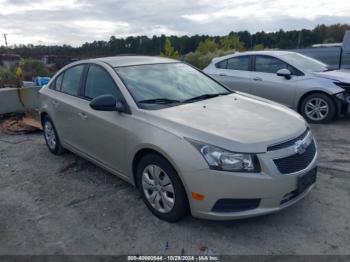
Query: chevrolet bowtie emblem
[{"x": 300, "y": 147}]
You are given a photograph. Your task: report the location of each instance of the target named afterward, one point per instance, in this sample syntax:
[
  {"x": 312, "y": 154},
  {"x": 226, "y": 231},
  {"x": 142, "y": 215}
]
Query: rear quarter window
[
  {"x": 221, "y": 64},
  {"x": 56, "y": 84}
]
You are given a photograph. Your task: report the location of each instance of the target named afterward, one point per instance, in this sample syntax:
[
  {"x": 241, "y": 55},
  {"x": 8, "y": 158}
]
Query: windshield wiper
[
  {"x": 166, "y": 101},
  {"x": 202, "y": 97},
  {"x": 159, "y": 101}
]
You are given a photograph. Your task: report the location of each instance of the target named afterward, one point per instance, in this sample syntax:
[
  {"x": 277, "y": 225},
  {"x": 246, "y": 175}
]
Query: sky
[{"x": 75, "y": 22}]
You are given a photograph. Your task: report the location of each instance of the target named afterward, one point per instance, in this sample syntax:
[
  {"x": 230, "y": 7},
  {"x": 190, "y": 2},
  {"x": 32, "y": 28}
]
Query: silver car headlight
[
  {"x": 345, "y": 97},
  {"x": 221, "y": 159}
]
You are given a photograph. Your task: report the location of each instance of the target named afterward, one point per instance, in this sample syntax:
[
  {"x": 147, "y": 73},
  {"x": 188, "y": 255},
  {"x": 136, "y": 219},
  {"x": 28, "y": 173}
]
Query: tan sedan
[{"x": 188, "y": 143}]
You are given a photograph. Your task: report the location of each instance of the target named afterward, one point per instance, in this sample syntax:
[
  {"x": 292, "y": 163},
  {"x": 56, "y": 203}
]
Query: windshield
[
  {"x": 168, "y": 84},
  {"x": 304, "y": 62}
]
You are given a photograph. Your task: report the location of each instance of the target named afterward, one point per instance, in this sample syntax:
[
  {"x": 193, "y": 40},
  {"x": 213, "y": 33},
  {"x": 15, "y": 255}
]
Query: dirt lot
[{"x": 64, "y": 204}]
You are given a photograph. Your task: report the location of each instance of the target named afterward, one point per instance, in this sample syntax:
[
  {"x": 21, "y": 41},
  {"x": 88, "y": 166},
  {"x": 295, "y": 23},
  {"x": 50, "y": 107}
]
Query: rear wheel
[
  {"x": 51, "y": 137},
  {"x": 318, "y": 108},
  {"x": 161, "y": 188}
]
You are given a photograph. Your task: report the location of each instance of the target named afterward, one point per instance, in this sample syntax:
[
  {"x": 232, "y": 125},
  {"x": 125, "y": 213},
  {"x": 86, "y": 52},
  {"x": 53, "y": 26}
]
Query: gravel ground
[{"x": 66, "y": 205}]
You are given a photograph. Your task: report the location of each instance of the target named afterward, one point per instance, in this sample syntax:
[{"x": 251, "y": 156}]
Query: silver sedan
[{"x": 297, "y": 81}]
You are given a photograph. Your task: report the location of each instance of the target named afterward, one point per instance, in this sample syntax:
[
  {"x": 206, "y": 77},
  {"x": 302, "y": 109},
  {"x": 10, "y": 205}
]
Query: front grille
[
  {"x": 235, "y": 205},
  {"x": 288, "y": 143},
  {"x": 297, "y": 162}
]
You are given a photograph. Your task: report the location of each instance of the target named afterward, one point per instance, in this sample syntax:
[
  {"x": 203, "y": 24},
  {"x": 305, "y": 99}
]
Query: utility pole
[
  {"x": 299, "y": 39},
  {"x": 251, "y": 40},
  {"x": 5, "y": 37}
]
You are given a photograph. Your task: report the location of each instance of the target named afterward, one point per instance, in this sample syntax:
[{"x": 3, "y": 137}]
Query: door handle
[
  {"x": 222, "y": 74},
  {"x": 257, "y": 79},
  {"x": 83, "y": 116}
]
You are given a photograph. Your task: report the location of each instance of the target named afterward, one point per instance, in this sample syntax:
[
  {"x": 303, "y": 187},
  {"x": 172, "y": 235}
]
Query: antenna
[{"x": 5, "y": 37}]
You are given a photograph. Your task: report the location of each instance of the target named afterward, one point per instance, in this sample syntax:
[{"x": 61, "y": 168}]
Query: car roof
[
  {"x": 276, "y": 53},
  {"x": 118, "y": 61}
]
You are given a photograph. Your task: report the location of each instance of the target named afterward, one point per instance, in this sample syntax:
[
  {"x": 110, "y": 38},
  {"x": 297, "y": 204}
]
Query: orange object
[{"x": 197, "y": 196}]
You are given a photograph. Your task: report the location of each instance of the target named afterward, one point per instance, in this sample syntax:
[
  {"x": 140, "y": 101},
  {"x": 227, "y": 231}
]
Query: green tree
[
  {"x": 202, "y": 60},
  {"x": 259, "y": 47},
  {"x": 169, "y": 50},
  {"x": 8, "y": 77},
  {"x": 186, "y": 44},
  {"x": 207, "y": 46},
  {"x": 231, "y": 43},
  {"x": 32, "y": 68}
]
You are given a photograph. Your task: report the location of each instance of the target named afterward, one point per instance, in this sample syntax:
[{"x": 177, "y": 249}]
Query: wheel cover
[
  {"x": 316, "y": 109},
  {"x": 158, "y": 188},
  {"x": 50, "y": 135}
]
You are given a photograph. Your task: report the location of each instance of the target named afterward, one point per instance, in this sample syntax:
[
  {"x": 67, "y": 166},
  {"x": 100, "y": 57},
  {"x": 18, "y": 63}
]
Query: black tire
[
  {"x": 329, "y": 116},
  {"x": 180, "y": 208},
  {"x": 57, "y": 149}
]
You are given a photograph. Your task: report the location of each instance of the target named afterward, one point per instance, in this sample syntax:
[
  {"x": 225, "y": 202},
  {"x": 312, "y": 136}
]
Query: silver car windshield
[
  {"x": 304, "y": 62},
  {"x": 168, "y": 84}
]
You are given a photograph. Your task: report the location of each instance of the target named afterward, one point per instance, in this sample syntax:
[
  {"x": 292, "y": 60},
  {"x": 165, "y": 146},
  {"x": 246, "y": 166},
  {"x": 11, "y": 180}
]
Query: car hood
[
  {"x": 339, "y": 75},
  {"x": 235, "y": 122}
]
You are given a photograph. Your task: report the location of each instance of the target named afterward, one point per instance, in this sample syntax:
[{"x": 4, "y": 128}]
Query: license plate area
[{"x": 306, "y": 180}]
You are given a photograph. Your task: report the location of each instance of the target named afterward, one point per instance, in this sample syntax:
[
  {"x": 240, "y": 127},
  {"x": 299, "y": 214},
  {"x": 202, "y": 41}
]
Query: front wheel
[
  {"x": 161, "y": 188},
  {"x": 318, "y": 108}
]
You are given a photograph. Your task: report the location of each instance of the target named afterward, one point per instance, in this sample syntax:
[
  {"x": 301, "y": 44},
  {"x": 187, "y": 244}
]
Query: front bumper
[{"x": 269, "y": 186}]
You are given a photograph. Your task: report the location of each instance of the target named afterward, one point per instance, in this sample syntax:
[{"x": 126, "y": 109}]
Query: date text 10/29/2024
[{"x": 174, "y": 258}]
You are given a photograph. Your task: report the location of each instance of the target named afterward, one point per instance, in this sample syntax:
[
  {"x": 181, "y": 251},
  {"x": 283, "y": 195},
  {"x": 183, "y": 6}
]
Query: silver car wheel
[
  {"x": 316, "y": 109},
  {"x": 50, "y": 135},
  {"x": 158, "y": 189}
]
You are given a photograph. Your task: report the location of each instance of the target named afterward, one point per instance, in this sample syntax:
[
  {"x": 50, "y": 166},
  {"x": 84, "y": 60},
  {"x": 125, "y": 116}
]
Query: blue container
[{"x": 40, "y": 81}]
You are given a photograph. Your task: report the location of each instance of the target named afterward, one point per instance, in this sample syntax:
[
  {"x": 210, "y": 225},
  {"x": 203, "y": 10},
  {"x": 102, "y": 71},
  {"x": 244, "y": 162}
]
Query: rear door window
[{"x": 71, "y": 80}]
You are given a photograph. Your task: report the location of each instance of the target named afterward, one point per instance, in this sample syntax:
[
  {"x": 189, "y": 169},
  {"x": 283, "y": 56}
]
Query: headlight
[
  {"x": 221, "y": 159},
  {"x": 345, "y": 86},
  {"x": 345, "y": 97},
  {"x": 341, "y": 96}
]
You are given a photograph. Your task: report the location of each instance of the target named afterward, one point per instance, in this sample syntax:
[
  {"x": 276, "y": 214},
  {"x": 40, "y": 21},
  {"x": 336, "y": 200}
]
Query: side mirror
[
  {"x": 285, "y": 73},
  {"x": 107, "y": 103}
]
